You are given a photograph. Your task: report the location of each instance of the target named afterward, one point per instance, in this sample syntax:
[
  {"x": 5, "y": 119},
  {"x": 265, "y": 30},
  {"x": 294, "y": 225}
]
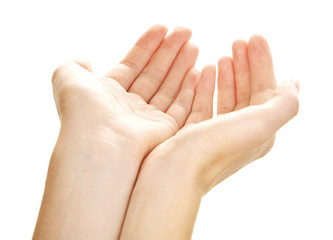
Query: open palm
[
  {"x": 145, "y": 99},
  {"x": 179, "y": 171},
  {"x": 250, "y": 107}
]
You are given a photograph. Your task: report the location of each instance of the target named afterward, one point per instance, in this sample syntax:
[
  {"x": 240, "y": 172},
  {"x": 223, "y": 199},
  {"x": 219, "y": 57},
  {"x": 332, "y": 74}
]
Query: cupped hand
[
  {"x": 251, "y": 109},
  {"x": 177, "y": 173},
  {"x": 144, "y": 100}
]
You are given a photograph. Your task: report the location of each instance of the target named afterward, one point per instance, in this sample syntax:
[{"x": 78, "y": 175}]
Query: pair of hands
[{"x": 158, "y": 109}]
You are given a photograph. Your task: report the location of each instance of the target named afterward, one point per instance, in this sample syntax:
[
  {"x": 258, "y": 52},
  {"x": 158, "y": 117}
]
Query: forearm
[
  {"x": 164, "y": 203},
  {"x": 87, "y": 188}
]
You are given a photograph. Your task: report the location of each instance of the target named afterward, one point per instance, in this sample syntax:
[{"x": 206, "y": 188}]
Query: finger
[
  {"x": 226, "y": 96},
  {"x": 202, "y": 107},
  {"x": 168, "y": 91},
  {"x": 181, "y": 107},
  {"x": 242, "y": 73},
  {"x": 261, "y": 64},
  {"x": 138, "y": 57},
  {"x": 155, "y": 72}
]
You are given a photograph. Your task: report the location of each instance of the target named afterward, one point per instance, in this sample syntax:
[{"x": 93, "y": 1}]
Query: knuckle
[
  {"x": 242, "y": 70},
  {"x": 154, "y": 75},
  {"x": 225, "y": 109},
  {"x": 131, "y": 65}
]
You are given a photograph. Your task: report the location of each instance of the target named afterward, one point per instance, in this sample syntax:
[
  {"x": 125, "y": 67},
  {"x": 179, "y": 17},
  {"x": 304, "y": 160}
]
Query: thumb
[
  {"x": 252, "y": 126},
  {"x": 276, "y": 112},
  {"x": 285, "y": 103},
  {"x": 71, "y": 71},
  {"x": 233, "y": 140}
]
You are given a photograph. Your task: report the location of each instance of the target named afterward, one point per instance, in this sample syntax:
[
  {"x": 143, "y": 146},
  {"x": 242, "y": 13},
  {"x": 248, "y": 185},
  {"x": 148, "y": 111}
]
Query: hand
[
  {"x": 108, "y": 125},
  {"x": 178, "y": 172},
  {"x": 145, "y": 99}
]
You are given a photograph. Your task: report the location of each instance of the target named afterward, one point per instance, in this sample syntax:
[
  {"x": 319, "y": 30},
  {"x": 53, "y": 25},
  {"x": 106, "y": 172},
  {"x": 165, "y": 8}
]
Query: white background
[{"x": 285, "y": 195}]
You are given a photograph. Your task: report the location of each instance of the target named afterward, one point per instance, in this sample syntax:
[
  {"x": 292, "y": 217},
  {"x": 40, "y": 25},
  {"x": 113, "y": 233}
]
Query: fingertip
[
  {"x": 209, "y": 72},
  {"x": 152, "y": 37},
  {"x": 240, "y": 51},
  {"x": 222, "y": 59},
  {"x": 159, "y": 28},
  {"x": 209, "y": 68},
  {"x": 238, "y": 44},
  {"x": 258, "y": 46},
  {"x": 193, "y": 47},
  {"x": 184, "y": 31},
  {"x": 176, "y": 39},
  {"x": 256, "y": 38},
  {"x": 224, "y": 62}
]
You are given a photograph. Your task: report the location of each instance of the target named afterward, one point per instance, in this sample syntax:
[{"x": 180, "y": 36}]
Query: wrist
[
  {"x": 84, "y": 174},
  {"x": 169, "y": 166},
  {"x": 166, "y": 194},
  {"x": 188, "y": 162},
  {"x": 99, "y": 140}
]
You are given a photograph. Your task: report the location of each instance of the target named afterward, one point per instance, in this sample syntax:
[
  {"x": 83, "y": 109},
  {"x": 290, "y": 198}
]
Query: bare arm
[{"x": 177, "y": 173}]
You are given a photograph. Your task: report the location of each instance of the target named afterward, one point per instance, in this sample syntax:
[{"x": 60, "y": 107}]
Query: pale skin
[
  {"x": 178, "y": 172},
  {"x": 109, "y": 125}
]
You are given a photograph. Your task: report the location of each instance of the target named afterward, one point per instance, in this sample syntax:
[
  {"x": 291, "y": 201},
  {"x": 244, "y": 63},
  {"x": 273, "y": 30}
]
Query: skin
[
  {"x": 108, "y": 126},
  {"x": 180, "y": 171}
]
